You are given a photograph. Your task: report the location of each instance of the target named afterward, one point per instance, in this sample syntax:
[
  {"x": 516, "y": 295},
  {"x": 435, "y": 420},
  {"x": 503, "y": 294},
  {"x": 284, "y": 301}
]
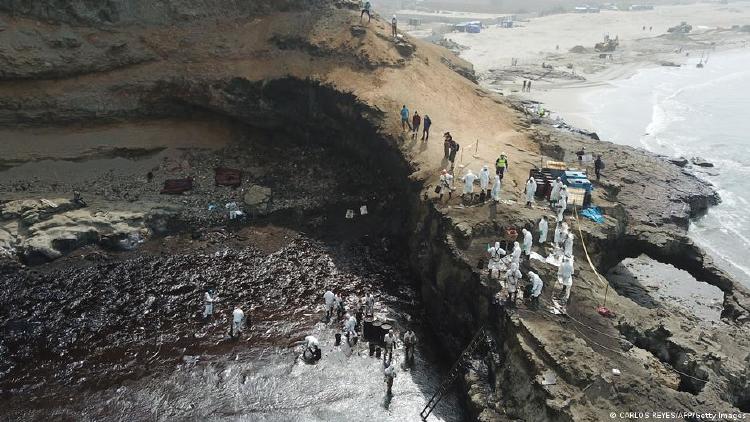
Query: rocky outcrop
[
  {"x": 258, "y": 200},
  {"x": 701, "y": 162},
  {"x": 42, "y": 230}
]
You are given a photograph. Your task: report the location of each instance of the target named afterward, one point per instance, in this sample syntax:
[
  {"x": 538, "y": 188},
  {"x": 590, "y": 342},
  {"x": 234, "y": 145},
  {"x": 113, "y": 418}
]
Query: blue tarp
[{"x": 593, "y": 214}]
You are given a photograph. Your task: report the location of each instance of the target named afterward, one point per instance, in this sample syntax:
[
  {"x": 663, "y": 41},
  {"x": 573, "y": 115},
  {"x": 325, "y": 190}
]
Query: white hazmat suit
[
  {"x": 558, "y": 234},
  {"x": 565, "y": 276},
  {"x": 543, "y": 228},
  {"x": 469, "y": 179},
  {"x": 562, "y": 205},
  {"x": 516, "y": 254},
  {"x": 527, "y": 242},
  {"x": 238, "y": 320},
  {"x": 208, "y": 300},
  {"x": 496, "y": 253},
  {"x": 497, "y": 188},
  {"x": 536, "y": 284},
  {"x": 484, "y": 178},
  {"x": 446, "y": 183},
  {"x": 312, "y": 341},
  {"x": 568, "y": 249},
  {"x": 329, "y": 299},
  {"x": 554, "y": 196},
  {"x": 530, "y": 190},
  {"x": 350, "y": 325},
  {"x": 512, "y": 276}
]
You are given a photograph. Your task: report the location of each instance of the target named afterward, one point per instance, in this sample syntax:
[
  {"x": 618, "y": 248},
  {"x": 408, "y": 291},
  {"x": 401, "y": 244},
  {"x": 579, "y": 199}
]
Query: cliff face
[
  {"x": 146, "y": 12},
  {"x": 316, "y": 95}
]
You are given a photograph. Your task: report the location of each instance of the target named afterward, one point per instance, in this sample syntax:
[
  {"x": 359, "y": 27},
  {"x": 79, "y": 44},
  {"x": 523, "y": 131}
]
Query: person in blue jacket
[{"x": 405, "y": 118}]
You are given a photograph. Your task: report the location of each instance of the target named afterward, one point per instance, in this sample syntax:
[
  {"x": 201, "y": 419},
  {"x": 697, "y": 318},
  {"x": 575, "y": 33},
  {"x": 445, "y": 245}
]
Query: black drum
[{"x": 376, "y": 332}]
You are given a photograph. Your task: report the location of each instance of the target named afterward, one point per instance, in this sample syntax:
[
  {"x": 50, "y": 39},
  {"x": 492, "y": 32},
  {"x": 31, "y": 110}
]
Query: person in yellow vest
[{"x": 501, "y": 165}]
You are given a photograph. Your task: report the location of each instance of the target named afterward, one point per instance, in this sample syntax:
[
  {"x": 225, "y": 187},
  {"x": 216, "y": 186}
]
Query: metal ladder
[{"x": 455, "y": 370}]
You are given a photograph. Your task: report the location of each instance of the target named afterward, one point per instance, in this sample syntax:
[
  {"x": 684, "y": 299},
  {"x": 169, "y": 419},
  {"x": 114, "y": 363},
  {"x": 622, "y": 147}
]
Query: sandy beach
[
  {"x": 567, "y": 75},
  {"x": 538, "y": 39}
]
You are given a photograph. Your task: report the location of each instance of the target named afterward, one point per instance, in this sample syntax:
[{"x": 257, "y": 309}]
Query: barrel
[
  {"x": 376, "y": 332},
  {"x": 367, "y": 328},
  {"x": 385, "y": 328}
]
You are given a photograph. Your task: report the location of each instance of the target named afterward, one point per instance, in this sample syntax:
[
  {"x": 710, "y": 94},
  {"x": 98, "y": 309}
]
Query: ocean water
[{"x": 692, "y": 112}]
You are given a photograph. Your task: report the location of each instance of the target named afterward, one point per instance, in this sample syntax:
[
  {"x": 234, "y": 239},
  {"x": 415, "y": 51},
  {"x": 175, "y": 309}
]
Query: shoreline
[
  {"x": 568, "y": 100},
  {"x": 573, "y": 104}
]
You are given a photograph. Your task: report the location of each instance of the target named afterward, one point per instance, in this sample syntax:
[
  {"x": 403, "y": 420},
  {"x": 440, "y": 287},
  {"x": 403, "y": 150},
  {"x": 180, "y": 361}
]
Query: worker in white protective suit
[
  {"x": 536, "y": 288},
  {"x": 339, "y": 306},
  {"x": 543, "y": 228},
  {"x": 565, "y": 277},
  {"x": 209, "y": 298},
  {"x": 527, "y": 243},
  {"x": 330, "y": 300},
  {"x": 568, "y": 248},
  {"x": 530, "y": 191},
  {"x": 484, "y": 180},
  {"x": 389, "y": 341},
  {"x": 495, "y": 263},
  {"x": 350, "y": 328},
  {"x": 554, "y": 195},
  {"x": 512, "y": 276},
  {"x": 389, "y": 373},
  {"x": 238, "y": 321},
  {"x": 369, "y": 304},
  {"x": 468, "y": 180},
  {"x": 558, "y": 236},
  {"x": 562, "y": 203},
  {"x": 350, "y": 323},
  {"x": 234, "y": 210},
  {"x": 446, "y": 184},
  {"x": 497, "y": 188},
  {"x": 564, "y": 192},
  {"x": 515, "y": 256},
  {"x": 312, "y": 352}
]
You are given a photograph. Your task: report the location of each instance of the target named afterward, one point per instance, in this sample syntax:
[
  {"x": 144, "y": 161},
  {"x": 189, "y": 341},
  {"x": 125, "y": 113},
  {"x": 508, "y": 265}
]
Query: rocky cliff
[
  {"x": 312, "y": 99},
  {"x": 144, "y": 12}
]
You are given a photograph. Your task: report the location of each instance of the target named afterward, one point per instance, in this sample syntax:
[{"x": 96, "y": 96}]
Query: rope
[
  {"x": 606, "y": 291},
  {"x": 588, "y": 258},
  {"x": 618, "y": 352}
]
